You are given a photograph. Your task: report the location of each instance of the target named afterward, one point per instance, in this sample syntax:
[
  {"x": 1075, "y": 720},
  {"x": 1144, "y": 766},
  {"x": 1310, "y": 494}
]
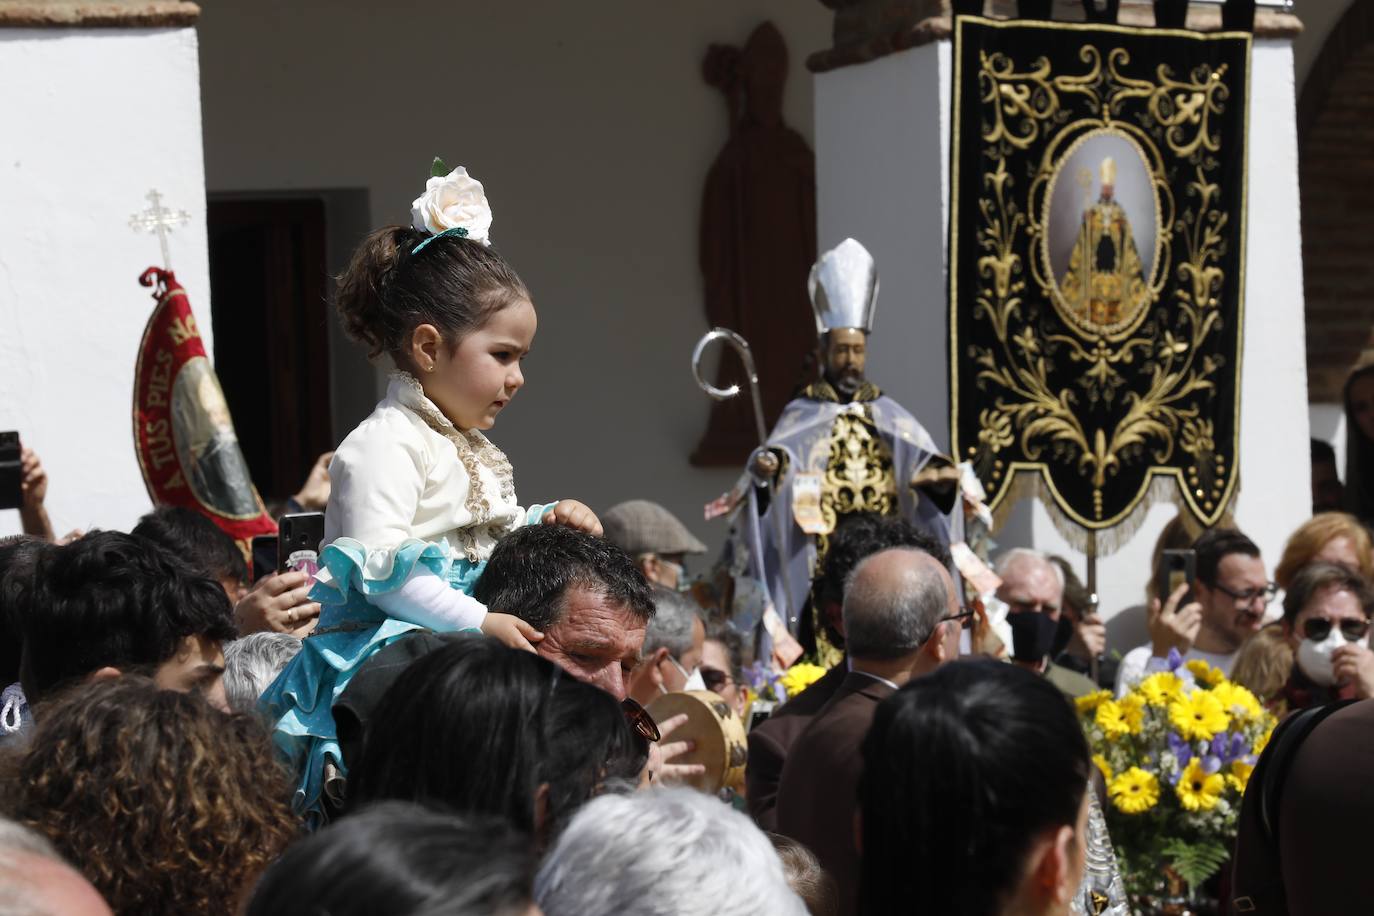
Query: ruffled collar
[
  {"x": 473, "y": 449},
  {"x": 405, "y": 389}
]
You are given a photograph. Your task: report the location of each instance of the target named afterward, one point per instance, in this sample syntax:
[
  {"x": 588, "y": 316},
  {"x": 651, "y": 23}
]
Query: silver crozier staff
[{"x": 741, "y": 346}]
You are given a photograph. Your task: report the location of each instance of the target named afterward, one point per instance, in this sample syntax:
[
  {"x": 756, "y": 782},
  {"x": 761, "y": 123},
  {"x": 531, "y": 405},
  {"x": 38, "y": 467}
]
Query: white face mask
[
  {"x": 694, "y": 680},
  {"x": 1314, "y": 658}
]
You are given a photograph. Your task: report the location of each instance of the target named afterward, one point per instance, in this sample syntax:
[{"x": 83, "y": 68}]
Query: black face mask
[
  {"x": 1032, "y": 635},
  {"x": 1063, "y": 633}
]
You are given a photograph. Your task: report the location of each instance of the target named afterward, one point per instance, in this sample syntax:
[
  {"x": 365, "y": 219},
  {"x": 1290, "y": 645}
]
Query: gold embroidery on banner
[{"x": 1111, "y": 318}]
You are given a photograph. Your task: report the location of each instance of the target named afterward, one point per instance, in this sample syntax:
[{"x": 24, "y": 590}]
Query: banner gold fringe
[{"x": 1029, "y": 484}]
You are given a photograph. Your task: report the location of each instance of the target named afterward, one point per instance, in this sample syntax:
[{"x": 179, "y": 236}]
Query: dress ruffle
[
  {"x": 299, "y": 703},
  {"x": 347, "y": 566}
]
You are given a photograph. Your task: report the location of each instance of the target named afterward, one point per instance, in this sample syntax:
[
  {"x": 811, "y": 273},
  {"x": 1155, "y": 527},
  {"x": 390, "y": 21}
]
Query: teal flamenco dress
[{"x": 299, "y": 702}]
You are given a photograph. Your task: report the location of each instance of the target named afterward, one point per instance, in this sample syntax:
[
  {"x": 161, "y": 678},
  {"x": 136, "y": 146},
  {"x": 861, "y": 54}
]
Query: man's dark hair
[
  {"x": 1213, "y": 545},
  {"x": 1317, "y": 577},
  {"x": 112, "y": 599},
  {"x": 17, "y": 558},
  {"x": 204, "y": 546},
  {"x": 858, "y": 535},
  {"x": 1323, "y": 453},
  {"x": 530, "y": 571}
]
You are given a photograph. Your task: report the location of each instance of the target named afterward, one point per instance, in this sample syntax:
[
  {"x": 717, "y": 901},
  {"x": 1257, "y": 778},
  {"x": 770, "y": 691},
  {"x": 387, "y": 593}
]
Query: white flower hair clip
[{"x": 453, "y": 204}]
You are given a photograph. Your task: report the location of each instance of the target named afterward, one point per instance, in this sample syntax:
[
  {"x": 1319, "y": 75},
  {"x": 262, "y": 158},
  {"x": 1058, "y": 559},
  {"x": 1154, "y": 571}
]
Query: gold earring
[{"x": 431, "y": 367}]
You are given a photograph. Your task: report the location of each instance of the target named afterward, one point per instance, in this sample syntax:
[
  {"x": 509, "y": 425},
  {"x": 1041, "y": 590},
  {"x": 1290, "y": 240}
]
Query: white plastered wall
[
  {"x": 882, "y": 147},
  {"x": 592, "y": 129},
  {"x": 92, "y": 119}
]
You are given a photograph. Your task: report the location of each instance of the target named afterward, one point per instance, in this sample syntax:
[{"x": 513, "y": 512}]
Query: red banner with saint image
[{"x": 187, "y": 448}]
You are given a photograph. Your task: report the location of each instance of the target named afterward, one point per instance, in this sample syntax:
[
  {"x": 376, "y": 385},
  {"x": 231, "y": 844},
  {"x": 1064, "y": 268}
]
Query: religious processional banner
[
  {"x": 187, "y": 448},
  {"x": 1097, "y": 260}
]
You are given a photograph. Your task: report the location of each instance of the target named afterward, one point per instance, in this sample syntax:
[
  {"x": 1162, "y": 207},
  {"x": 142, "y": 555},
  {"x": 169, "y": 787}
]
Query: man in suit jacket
[
  {"x": 859, "y": 535},
  {"x": 902, "y": 619},
  {"x": 772, "y": 739}
]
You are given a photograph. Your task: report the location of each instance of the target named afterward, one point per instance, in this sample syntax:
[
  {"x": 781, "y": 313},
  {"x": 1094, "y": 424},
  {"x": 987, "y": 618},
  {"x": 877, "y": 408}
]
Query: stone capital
[{"x": 127, "y": 14}]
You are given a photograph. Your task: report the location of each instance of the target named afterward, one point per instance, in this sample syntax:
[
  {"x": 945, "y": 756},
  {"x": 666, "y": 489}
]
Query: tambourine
[{"x": 721, "y": 746}]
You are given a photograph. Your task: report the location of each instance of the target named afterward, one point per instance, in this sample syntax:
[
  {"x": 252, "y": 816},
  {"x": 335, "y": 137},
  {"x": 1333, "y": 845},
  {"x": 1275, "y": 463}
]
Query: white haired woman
[
  {"x": 663, "y": 852},
  {"x": 253, "y": 662}
]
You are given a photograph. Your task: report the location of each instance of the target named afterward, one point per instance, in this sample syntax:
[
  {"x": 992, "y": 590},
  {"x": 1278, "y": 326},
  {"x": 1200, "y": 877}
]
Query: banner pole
[{"x": 1091, "y": 551}]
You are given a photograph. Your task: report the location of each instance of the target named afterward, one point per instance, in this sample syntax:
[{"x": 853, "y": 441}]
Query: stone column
[
  {"x": 882, "y": 175},
  {"x": 102, "y": 104}
]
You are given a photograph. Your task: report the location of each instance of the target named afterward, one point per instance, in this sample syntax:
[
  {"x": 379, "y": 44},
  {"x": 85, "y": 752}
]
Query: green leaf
[
  {"x": 438, "y": 169},
  {"x": 1196, "y": 862}
]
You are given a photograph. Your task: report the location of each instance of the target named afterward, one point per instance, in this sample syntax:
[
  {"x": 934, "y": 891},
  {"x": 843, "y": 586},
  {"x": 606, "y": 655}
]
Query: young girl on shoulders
[{"x": 420, "y": 496}]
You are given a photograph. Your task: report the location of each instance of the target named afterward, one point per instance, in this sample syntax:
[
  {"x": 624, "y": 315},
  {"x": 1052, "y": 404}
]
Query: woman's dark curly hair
[{"x": 166, "y": 804}]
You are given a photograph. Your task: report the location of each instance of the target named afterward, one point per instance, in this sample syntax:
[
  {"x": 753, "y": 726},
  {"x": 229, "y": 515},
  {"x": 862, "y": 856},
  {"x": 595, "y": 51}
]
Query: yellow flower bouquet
[{"x": 1176, "y": 752}]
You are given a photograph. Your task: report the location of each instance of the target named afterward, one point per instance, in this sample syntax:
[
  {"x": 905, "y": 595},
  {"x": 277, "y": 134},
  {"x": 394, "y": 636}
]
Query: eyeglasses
[
  {"x": 639, "y": 719},
  {"x": 965, "y": 617},
  {"x": 1250, "y": 594},
  {"x": 1318, "y": 628},
  {"x": 715, "y": 679}
]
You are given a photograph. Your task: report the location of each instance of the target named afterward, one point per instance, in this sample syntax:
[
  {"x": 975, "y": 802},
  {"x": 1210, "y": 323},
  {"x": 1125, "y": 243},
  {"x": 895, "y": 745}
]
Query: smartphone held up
[
  {"x": 1176, "y": 567},
  {"x": 294, "y": 548},
  {"x": 11, "y": 471}
]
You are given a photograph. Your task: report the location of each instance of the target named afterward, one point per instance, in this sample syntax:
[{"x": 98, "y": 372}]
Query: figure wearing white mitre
[{"x": 840, "y": 447}]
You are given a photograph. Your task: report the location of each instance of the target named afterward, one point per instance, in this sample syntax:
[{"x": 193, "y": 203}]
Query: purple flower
[
  {"x": 1181, "y": 749},
  {"x": 1228, "y": 746},
  {"x": 1175, "y": 660},
  {"x": 1211, "y": 764},
  {"x": 762, "y": 677}
]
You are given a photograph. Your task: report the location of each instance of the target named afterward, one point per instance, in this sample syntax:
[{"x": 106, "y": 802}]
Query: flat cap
[{"x": 639, "y": 526}]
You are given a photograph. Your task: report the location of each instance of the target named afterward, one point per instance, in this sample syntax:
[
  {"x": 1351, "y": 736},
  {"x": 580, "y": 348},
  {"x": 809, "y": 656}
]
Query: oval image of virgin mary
[
  {"x": 1102, "y": 234},
  {"x": 206, "y": 444}
]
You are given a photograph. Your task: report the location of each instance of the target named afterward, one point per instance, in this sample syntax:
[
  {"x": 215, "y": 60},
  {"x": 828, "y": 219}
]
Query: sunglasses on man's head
[
  {"x": 1318, "y": 628},
  {"x": 639, "y": 719}
]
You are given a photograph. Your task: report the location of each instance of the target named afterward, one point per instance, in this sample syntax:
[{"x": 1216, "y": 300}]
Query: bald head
[
  {"x": 1030, "y": 582},
  {"x": 893, "y": 602}
]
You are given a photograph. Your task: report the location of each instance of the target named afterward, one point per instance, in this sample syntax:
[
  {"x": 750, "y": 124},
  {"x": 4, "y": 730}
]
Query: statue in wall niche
[{"x": 758, "y": 238}]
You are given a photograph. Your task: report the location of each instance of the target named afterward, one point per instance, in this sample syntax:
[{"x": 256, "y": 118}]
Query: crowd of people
[{"x": 449, "y": 715}]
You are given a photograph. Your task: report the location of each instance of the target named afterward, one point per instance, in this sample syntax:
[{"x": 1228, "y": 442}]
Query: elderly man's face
[
  {"x": 1031, "y": 585},
  {"x": 597, "y": 640}
]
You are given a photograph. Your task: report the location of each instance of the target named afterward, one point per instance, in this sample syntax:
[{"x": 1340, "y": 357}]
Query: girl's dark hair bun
[{"x": 454, "y": 284}]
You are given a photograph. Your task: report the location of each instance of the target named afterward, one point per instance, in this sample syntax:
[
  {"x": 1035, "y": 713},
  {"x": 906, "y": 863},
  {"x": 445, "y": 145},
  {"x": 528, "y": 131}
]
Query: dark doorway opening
[{"x": 269, "y": 283}]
